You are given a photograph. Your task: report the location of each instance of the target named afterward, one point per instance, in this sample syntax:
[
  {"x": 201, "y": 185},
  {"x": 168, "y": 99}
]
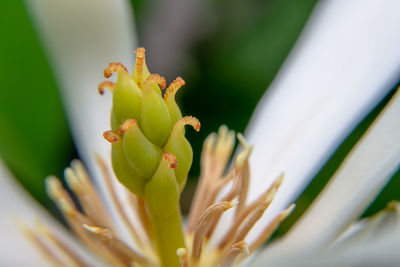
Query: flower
[{"x": 383, "y": 72}]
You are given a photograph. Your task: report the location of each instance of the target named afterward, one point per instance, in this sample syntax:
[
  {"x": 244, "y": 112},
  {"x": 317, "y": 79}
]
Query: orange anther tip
[
  {"x": 111, "y": 136},
  {"x": 140, "y": 52},
  {"x": 174, "y": 87},
  {"x": 113, "y": 67},
  {"x": 157, "y": 79},
  {"x": 172, "y": 159},
  {"x": 126, "y": 125},
  {"x": 106, "y": 85},
  {"x": 194, "y": 122}
]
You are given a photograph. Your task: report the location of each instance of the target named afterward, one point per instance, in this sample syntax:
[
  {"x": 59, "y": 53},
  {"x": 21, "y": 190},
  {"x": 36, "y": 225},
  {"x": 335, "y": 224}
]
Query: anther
[
  {"x": 111, "y": 136},
  {"x": 234, "y": 252},
  {"x": 106, "y": 85},
  {"x": 140, "y": 54},
  {"x": 183, "y": 257},
  {"x": 190, "y": 120},
  {"x": 104, "y": 233},
  {"x": 174, "y": 87},
  {"x": 157, "y": 79},
  {"x": 126, "y": 125},
  {"x": 113, "y": 67},
  {"x": 172, "y": 159}
]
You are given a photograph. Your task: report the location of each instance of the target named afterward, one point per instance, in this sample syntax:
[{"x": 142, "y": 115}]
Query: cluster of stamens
[{"x": 219, "y": 190}]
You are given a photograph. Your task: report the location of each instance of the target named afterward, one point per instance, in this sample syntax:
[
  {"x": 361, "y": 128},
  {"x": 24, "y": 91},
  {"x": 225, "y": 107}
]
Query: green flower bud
[
  {"x": 155, "y": 120},
  {"x": 127, "y": 99},
  {"x": 179, "y": 146},
  {"x": 122, "y": 169},
  {"x": 150, "y": 154},
  {"x": 161, "y": 191},
  {"x": 142, "y": 155}
]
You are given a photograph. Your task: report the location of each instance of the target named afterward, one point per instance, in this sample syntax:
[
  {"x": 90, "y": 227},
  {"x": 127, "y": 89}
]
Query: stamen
[
  {"x": 111, "y": 136},
  {"x": 66, "y": 249},
  {"x": 75, "y": 220},
  {"x": 126, "y": 125},
  {"x": 96, "y": 201},
  {"x": 216, "y": 152},
  {"x": 183, "y": 257},
  {"x": 190, "y": 120},
  {"x": 244, "y": 174},
  {"x": 174, "y": 87},
  {"x": 114, "y": 67},
  {"x": 117, "y": 203},
  {"x": 268, "y": 194},
  {"x": 267, "y": 232},
  {"x": 106, "y": 85},
  {"x": 234, "y": 252},
  {"x": 203, "y": 224},
  {"x": 172, "y": 159},
  {"x": 104, "y": 233},
  {"x": 223, "y": 150},
  {"x": 56, "y": 191},
  {"x": 203, "y": 184},
  {"x": 92, "y": 207},
  {"x": 157, "y": 79},
  {"x": 125, "y": 253},
  {"x": 40, "y": 244},
  {"x": 228, "y": 197},
  {"x": 242, "y": 227}
]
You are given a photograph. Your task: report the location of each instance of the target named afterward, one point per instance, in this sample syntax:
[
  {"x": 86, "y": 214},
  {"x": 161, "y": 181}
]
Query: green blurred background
[{"x": 228, "y": 64}]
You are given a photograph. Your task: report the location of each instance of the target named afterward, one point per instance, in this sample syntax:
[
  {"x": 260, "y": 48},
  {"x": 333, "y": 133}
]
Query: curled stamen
[
  {"x": 126, "y": 254},
  {"x": 267, "y": 232},
  {"x": 172, "y": 159},
  {"x": 189, "y": 120},
  {"x": 106, "y": 85},
  {"x": 126, "y": 125},
  {"x": 174, "y": 87},
  {"x": 203, "y": 224},
  {"x": 111, "y": 136},
  {"x": 157, "y": 79},
  {"x": 236, "y": 250},
  {"x": 183, "y": 257},
  {"x": 242, "y": 227},
  {"x": 113, "y": 67}
]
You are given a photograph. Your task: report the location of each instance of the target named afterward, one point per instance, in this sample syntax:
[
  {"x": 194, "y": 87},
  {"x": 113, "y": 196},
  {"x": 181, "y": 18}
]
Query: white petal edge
[
  {"x": 364, "y": 172},
  {"x": 365, "y": 230},
  {"x": 380, "y": 251},
  {"x": 17, "y": 207},
  {"x": 345, "y": 61},
  {"x": 81, "y": 38}
]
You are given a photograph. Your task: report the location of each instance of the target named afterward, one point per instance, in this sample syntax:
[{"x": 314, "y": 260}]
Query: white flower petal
[
  {"x": 381, "y": 251},
  {"x": 81, "y": 38},
  {"x": 17, "y": 207},
  {"x": 344, "y": 63},
  {"x": 367, "y": 229},
  {"x": 367, "y": 168}
]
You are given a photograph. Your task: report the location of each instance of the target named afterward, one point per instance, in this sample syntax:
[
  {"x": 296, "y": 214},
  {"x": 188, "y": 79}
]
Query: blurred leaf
[{"x": 34, "y": 137}]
